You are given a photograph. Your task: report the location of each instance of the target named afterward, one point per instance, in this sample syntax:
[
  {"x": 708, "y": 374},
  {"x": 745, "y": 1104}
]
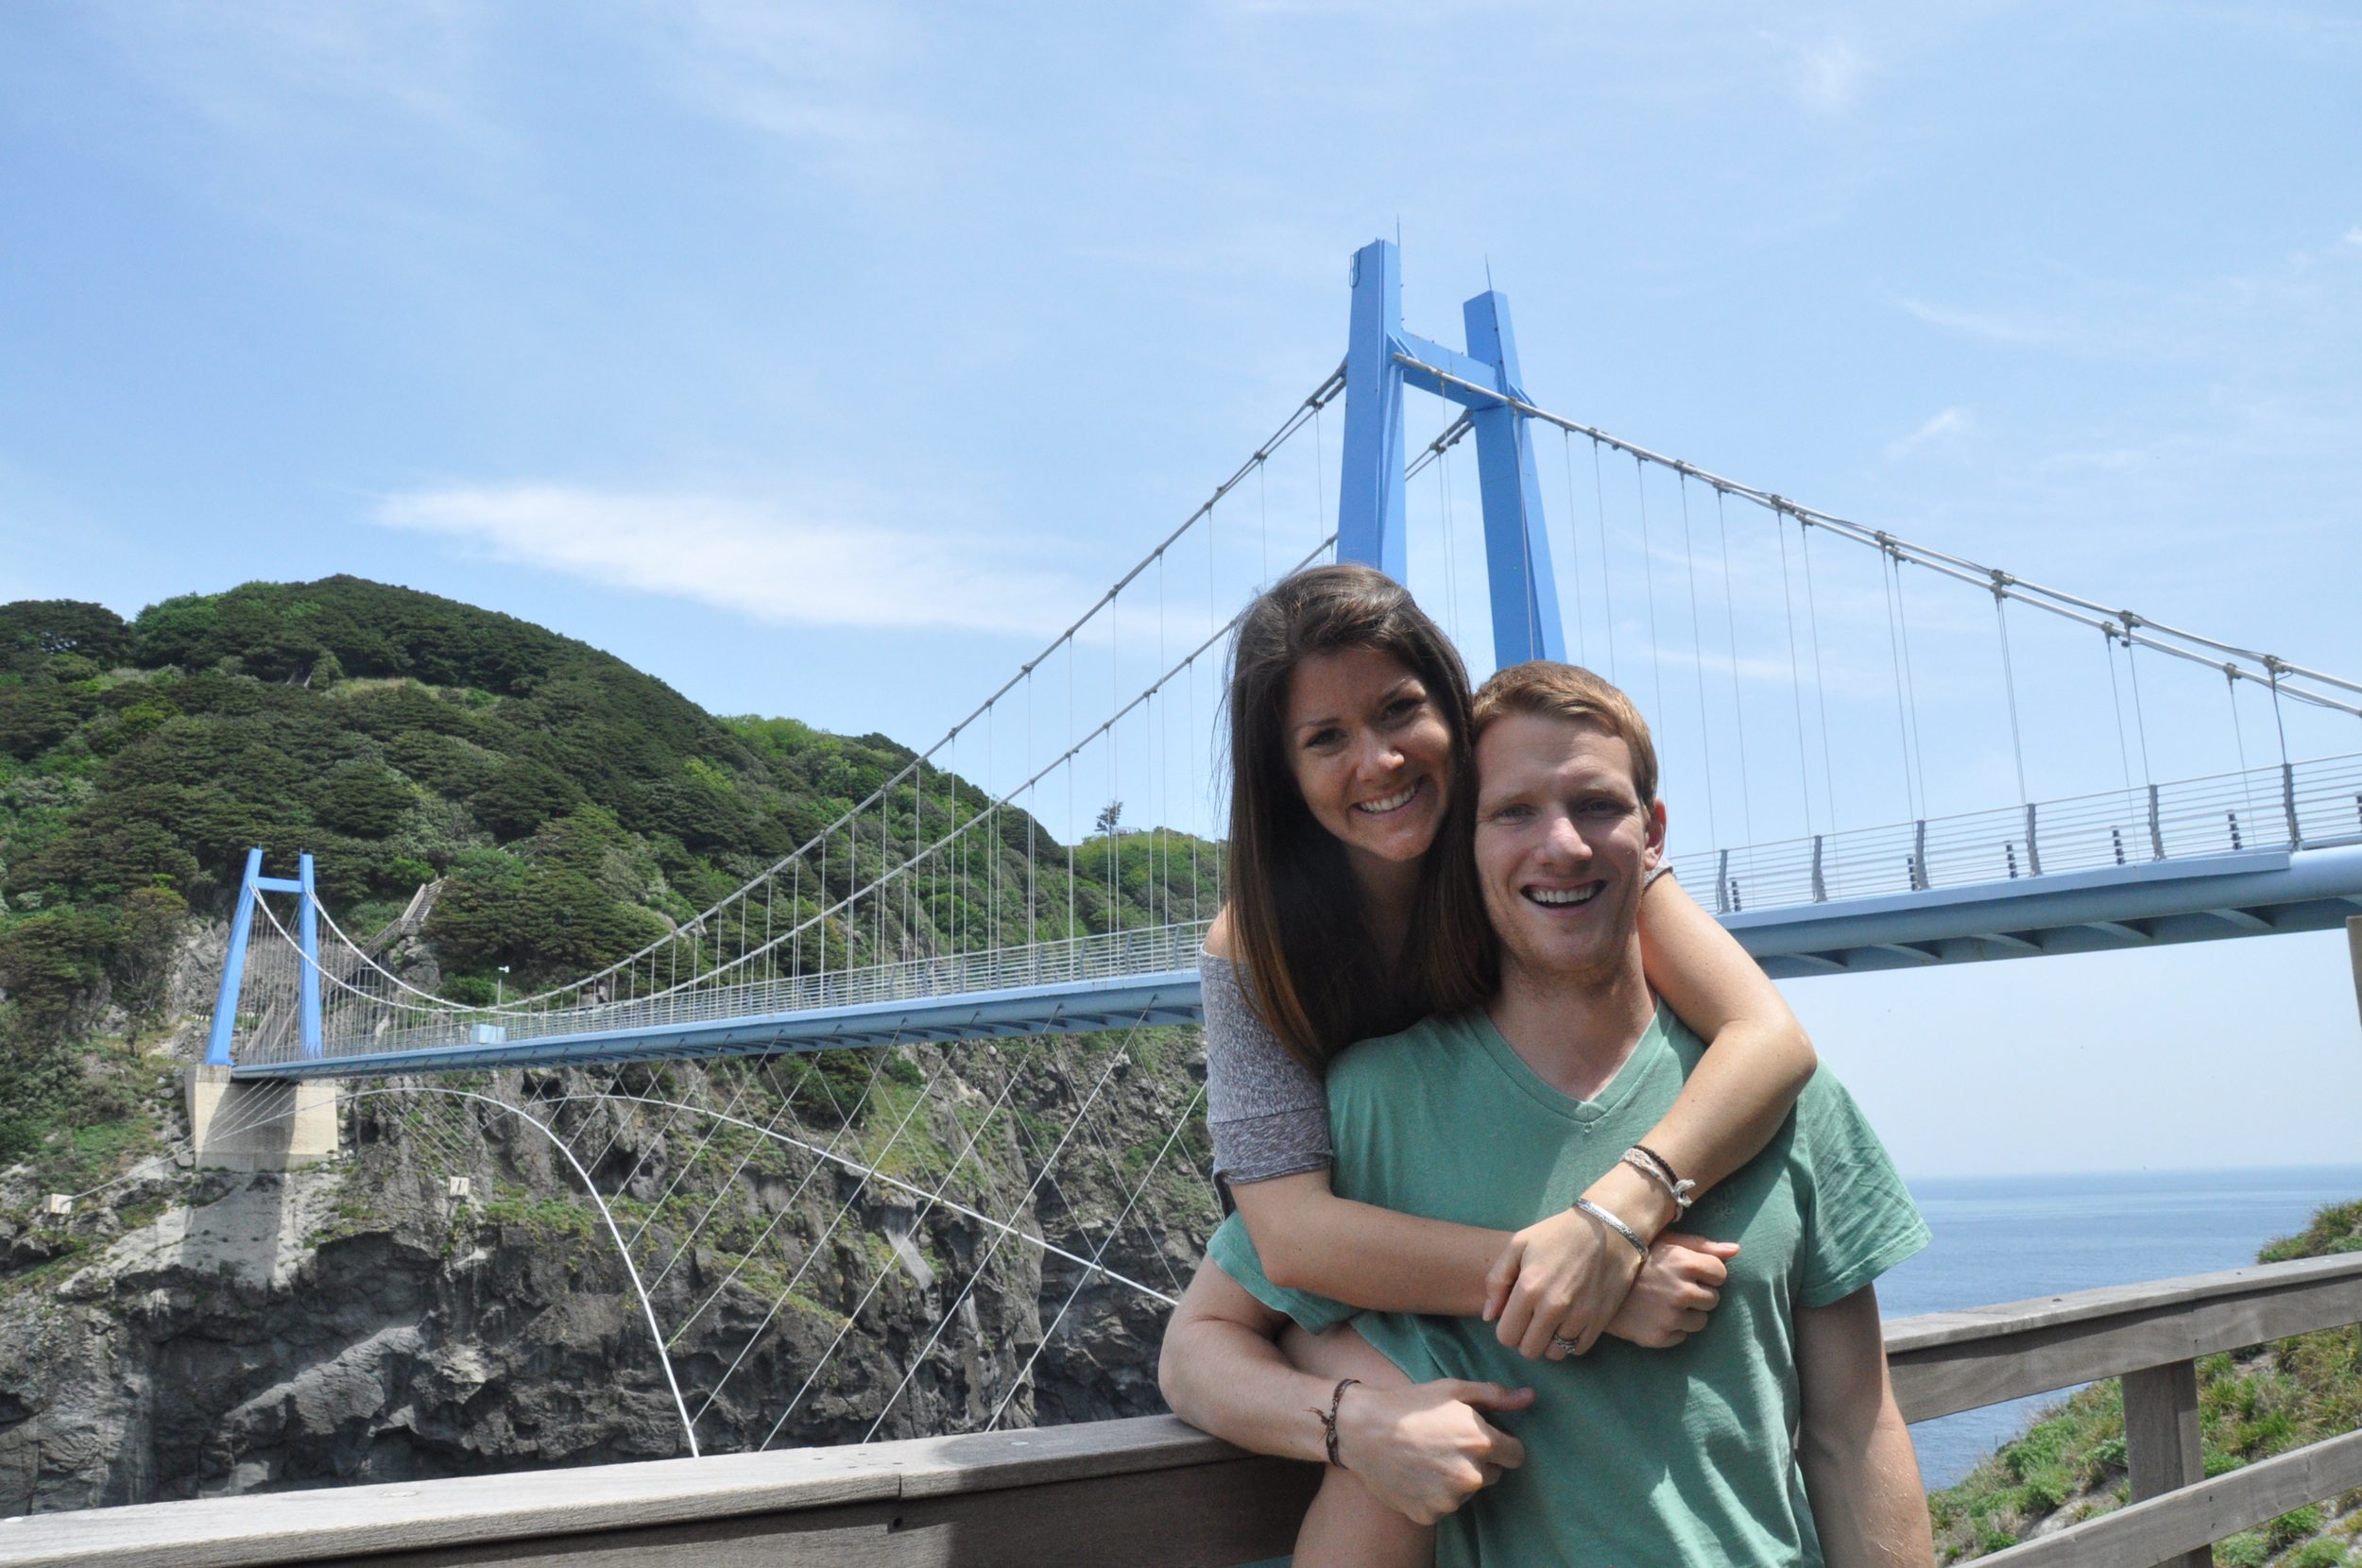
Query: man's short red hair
[{"x": 1548, "y": 689}]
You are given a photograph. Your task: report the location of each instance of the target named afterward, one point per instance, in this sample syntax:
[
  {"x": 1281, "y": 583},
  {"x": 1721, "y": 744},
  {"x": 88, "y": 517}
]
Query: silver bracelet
[
  {"x": 1614, "y": 1224},
  {"x": 1648, "y": 1164}
]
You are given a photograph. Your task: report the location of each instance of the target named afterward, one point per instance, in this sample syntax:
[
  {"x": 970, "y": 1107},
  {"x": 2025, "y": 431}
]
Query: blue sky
[{"x": 824, "y": 359}]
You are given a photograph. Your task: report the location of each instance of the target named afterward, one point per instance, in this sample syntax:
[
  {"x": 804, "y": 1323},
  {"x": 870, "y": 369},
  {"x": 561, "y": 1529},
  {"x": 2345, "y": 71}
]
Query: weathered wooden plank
[
  {"x": 1192, "y": 1516},
  {"x": 989, "y": 1460},
  {"x": 481, "y": 1517},
  {"x": 2161, "y": 1438},
  {"x": 2194, "y": 1517},
  {"x": 298, "y": 1526},
  {"x": 1958, "y": 1374},
  {"x": 1932, "y": 1329},
  {"x": 1210, "y": 1515}
]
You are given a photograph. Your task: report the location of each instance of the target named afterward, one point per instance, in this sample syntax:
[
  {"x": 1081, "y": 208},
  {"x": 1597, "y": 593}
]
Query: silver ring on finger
[{"x": 1565, "y": 1345}]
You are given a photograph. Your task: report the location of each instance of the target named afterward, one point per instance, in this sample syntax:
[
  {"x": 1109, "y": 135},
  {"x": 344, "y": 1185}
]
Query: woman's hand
[
  {"x": 1564, "y": 1276},
  {"x": 1424, "y": 1450},
  {"x": 1681, "y": 1283}
]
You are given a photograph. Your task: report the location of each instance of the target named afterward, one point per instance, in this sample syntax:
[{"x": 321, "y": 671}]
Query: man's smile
[{"x": 1564, "y": 897}]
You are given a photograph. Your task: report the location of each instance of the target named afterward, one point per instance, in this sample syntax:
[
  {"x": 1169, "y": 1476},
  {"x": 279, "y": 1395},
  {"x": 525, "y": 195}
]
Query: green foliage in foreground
[{"x": 2251, "y": 1406}]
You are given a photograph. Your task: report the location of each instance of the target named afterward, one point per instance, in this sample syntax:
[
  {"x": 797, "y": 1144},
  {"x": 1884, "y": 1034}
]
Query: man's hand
[
  {"x": 1424, "y": 1450},
  {"x": 1564, "y": 1276},
  {"x": 1681, "y": 1283}
]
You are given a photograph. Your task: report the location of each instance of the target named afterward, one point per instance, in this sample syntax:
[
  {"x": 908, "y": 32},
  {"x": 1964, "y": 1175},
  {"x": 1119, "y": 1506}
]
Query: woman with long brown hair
[{"x": 1353, "y": 912}]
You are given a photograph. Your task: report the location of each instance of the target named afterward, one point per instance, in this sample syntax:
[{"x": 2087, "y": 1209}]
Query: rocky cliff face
[{"x": 195, "y": 1333}]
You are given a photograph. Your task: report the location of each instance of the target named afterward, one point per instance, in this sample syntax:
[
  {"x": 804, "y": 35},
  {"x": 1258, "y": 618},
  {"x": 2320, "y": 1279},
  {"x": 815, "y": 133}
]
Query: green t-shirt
[{"x": 1634, "y": 1458}]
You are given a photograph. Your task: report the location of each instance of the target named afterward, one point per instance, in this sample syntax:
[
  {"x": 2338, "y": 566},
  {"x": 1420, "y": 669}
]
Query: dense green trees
[
  {"x": 573, "y": 806},
  {"x": 577, "y": 809}
]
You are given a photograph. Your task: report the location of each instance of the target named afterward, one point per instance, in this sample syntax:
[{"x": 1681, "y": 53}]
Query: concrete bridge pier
[{"x": 259, "y": 1124}]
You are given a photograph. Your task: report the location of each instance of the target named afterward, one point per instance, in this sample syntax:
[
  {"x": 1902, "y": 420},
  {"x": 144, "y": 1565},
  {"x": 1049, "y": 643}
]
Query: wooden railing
[
  {"x": 1153, "y": 1493},
  {"x": 2150, "y": 1335}
]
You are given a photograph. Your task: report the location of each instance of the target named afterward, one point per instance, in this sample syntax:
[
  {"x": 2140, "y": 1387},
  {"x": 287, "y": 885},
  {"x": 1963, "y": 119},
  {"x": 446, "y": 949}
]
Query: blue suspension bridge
[
  {"x": 1880, "y": 753},
  {"x": 843, "y": 942}
]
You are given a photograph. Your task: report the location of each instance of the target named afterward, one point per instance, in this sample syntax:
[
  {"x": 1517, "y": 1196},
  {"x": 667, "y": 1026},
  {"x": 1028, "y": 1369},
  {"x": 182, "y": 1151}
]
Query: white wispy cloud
[
  {"x": 2293, "y": 304},
  {"x": 1829, "y": 74},
  {"x": 281, "y": 69},
  {"x": 832, "y": 82},
  {"x": 745, "y": 557},
  {"x": 1991, "y": 325},
  {"x": 1943, "y": 430}
]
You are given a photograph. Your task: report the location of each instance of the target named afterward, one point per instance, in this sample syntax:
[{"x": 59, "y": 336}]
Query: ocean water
[{"x": 2005, "y": 1238}]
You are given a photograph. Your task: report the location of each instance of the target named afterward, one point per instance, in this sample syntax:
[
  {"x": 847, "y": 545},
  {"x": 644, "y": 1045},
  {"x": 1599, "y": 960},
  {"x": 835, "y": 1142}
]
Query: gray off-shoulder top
[{"x": 1268, "y": 1115}]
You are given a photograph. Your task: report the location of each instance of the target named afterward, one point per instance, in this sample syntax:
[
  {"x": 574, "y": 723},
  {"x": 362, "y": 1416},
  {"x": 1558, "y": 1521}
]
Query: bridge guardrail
[
  {"x": 1155, "y": 1493},
  {"x": 2287, "y": 805},
  {"x": 1105, "y": 955}
]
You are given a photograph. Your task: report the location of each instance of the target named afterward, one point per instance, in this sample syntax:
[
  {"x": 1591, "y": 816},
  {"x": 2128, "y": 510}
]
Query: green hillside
[{"x": 574, "y": 808}]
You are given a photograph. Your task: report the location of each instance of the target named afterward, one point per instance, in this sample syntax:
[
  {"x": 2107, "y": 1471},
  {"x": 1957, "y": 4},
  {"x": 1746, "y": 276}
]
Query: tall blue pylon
[
  {"x": 1381, "y": 360},
  {"x": 234, "y": 967}
]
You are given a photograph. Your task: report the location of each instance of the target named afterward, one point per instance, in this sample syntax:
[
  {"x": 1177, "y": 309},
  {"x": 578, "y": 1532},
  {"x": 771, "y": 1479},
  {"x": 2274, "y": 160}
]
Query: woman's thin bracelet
[
  {"x": 1614, "y": 1224},
  {"x": 1328, "y": 1417}
]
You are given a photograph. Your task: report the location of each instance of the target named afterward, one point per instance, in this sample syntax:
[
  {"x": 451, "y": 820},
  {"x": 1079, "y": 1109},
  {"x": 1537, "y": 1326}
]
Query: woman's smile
[{"x": 1394, "y": 802}]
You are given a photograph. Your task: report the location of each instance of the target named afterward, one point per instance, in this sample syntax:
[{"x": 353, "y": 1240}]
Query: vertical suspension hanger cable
[
  {"x": 1451, "y": 569},
  {"x": 1820, "y": 684},
  {"x": 2115, "y": 699},
  {"x": 2009, "y": 680},
  {"x": 1114, "y": 768},
  {"x": 1524, "y": 535},
  {"x": 2140, "y": 719},
  {"x": 918, "y": 936},
  {"x": 1263, "y": 501},
  {"x": 1033, "y": 821},
  {"x": 1795, "y": 672},
  {"x": 1911, "y": 682},
  {"x": 1320, "y": 475},
  {"x": 1162, "y": 845},
  {"x": 1213, "y": 600},
  {"x": 2238, "y": 732},
  {"x": 955, "y": 844},
  {"x": 1648, "y": 579},
  {"x": 1574, "y": 550},
  {"x": 1607, "y": 591},
  {"x": 2272, "y": 666},
  {"x": 1197, "y": 911},
  {"x": 1073, "y": 825},
  {"x": 992, "y": 830},
  {"x": 1739, "y": 706},
  {"x": 1214, "y": 622},
  {"x": 1894, "y": 660},
  {"x": 1697, "y": 652}
]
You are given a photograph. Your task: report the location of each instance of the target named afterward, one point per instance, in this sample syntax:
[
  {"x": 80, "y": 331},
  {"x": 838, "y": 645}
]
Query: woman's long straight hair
[{"x": 1313, "y": 968}]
